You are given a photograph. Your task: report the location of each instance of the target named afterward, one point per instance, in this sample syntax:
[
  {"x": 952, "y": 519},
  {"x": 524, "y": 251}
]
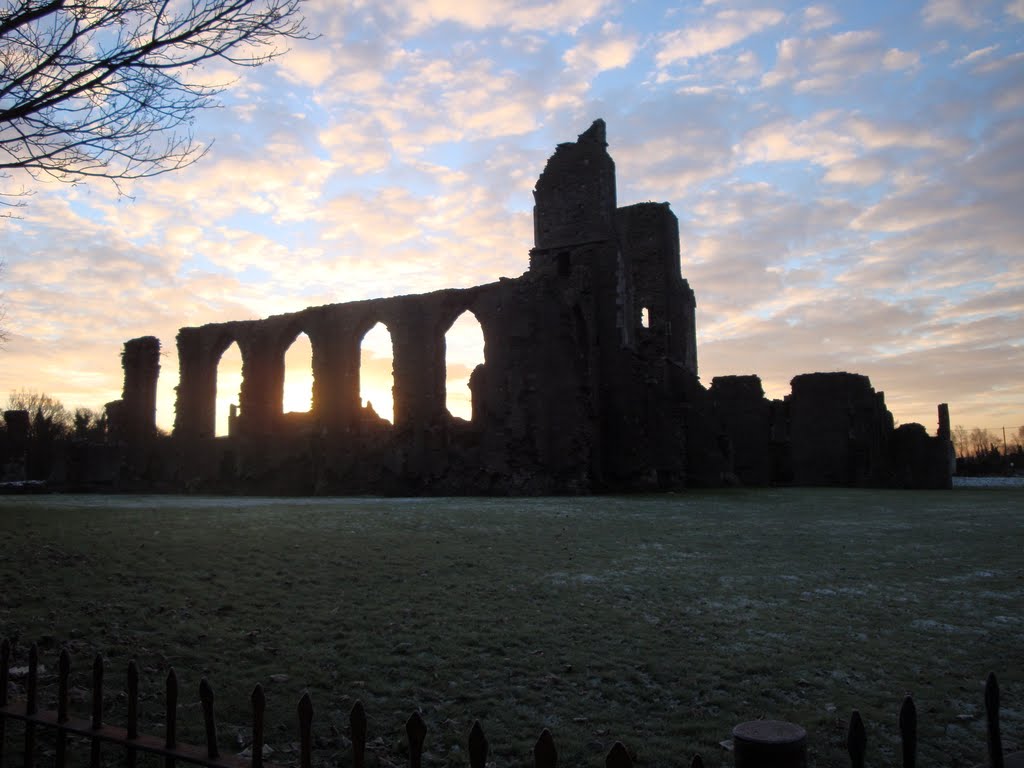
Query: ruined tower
[
  {"x": 663, "y": 307},
  {"x": 574, "y": 199},
  {"x": 133, "y": 417}
]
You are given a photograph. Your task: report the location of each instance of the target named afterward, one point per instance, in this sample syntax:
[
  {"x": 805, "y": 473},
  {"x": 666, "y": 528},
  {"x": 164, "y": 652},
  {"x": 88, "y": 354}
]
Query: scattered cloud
[
  {"x": 827, "y": 64},
  {"x": 998, "y": 64},
  {"x": 816, "y": 17},
  {"x": 974, "y": 56},
  {"x": 725, "y": 29},
  {"x": 895, "y": 59},
  {"x": 861, "y": 171},
  {"x": 611, "y": 50},
  {"x": 308, "y": 64},
  {"x": 814, "y": 140},
  {"x": 967, "y": 14},
  {"x": 560, "y": 14}
]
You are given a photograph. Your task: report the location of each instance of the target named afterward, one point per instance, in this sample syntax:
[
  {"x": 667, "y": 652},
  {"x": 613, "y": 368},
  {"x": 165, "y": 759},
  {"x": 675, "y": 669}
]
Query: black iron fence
[{"x": 62, "y": 726}]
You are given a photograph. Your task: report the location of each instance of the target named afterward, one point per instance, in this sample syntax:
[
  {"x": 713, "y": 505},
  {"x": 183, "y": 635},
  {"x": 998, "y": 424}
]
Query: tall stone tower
[{"x": 574, "y": 199}]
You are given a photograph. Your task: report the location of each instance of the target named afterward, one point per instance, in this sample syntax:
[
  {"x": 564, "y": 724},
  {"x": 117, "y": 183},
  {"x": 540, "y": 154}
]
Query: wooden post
[
  {"x": 416, "y": 730},
  {"x": 305, "y": 731},
  {"x": 544, "y": 753},
  {"x": 259, "y": 707},
  {"x": 97, "y": 710},
  {"x": 477, "y": 746},
  {"x": 30, "y": 705},
  {"x": 5, "y": 663},
  {"x": 908, "y": 732},
  {"x": 132, "y": 730},
  {"x": 856, "y": 740},
  {"x": 357, "y": 722},
  {"x": 171, "y": 716},
  {"x": 209, "y": 721},
  {"x": 63, "y": 671}
]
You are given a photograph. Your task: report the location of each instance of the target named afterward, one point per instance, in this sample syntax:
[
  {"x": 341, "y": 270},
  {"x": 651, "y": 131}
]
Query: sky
[{"x": 848, "y": 177}]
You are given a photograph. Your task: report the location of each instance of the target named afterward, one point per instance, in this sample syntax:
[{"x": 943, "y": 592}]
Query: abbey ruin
[{"x": 590, "y": 384}]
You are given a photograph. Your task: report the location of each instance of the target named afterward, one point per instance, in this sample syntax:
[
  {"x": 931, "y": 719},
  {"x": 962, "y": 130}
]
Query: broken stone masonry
[
  {"x": 589, "y": 384},
  {"x": 132, "y": 419}
]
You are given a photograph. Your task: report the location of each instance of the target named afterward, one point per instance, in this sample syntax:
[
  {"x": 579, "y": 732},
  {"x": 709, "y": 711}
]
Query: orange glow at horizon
[
  {"x": 464, "y": 345},
  {"x": 376, "y": 372},
  {"x": 298, "y": 376},
  {"x": 229, "y": 386}
]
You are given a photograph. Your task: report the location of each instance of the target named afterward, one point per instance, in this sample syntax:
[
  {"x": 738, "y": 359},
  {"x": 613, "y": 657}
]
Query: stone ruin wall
[
  {"x": 531, "y": 398},
  {"x": 417, "y": 325},
  {"x": 581, "y": 389},
  {"x": 14, "y": 447},
  {"x": 132, "y": 419},
  {"x": 832, "y": 429}
]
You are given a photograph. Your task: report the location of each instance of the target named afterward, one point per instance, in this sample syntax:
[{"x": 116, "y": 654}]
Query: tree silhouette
[
  {"x": 109, "y": 88},
  {"x": 41, "y": 406}
]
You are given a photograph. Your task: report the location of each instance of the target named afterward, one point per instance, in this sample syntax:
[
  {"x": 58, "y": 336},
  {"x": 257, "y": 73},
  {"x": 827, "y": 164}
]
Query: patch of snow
[
  {"x": 937, "y": 626},
  {"x": 988, "y": 482}
]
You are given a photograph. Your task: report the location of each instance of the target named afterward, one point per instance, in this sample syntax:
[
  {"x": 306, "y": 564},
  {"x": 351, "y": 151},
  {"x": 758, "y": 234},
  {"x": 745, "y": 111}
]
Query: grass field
[{"x": 657, "y": 621}]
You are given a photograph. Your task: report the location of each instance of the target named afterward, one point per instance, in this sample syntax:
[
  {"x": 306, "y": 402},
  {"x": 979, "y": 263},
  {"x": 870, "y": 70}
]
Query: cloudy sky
[{"x": 848, "y": 177}]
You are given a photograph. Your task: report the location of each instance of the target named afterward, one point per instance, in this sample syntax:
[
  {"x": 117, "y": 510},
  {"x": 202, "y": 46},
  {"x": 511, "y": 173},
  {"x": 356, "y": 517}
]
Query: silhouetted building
[{"x": 590, "y": 381}]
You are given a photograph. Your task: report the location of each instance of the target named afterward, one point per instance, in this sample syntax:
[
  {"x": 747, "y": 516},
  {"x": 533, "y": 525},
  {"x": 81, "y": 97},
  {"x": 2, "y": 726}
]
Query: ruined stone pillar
[
  {"x": 944, "y": 431},
  {"x": 262, "y": 386},
  {"x": 195, "y": 406},
  {"x": 419, "y": 350},
  {"x": 141, "y": 362},
  {"x": 948, "y": 451},
  {"x": 335, "y": 375},
  {"x": 419, "y": 368}
]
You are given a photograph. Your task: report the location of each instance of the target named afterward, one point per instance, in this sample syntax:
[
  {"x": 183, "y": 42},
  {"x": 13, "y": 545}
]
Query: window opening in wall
[
  {"x": 645, "y": 318},
  {"x": 229, "y": 387},
  {"x": 167, "y": 390},
  {"x": 564, "y": 264},
  {"x": 377, "y": 374},
  {"x": 464, "y": 351},
  {"x": 298, "y": 376}
]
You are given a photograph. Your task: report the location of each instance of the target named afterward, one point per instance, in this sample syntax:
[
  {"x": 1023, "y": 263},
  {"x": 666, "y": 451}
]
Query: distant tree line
[
  {"x": 987, "y": 452},
  {"x": 51, "y": 426}
]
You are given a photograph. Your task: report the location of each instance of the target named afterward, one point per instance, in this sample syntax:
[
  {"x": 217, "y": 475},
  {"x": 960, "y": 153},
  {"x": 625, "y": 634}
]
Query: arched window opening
[
  {"x": 298, "y": 376},
  {"x": 464, "y": 351},
  {"x": 377, "y": 374},
  {"x": 645, "y": 318},
  {"x": 229, "y": 388}
]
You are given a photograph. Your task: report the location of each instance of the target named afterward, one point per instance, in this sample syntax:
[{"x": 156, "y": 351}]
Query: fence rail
[{"x": 545, "y": 753}]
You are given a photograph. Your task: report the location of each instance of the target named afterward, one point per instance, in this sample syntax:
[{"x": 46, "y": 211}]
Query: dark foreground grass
[{"x": 660, "y": 622}]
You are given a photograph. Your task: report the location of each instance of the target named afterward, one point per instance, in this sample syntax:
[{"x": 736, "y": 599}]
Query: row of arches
[{"x": 464, "y": 350}]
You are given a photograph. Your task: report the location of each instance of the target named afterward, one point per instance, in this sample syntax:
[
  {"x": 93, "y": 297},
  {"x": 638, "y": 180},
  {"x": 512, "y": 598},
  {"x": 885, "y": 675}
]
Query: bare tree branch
[{"x": 100, "y": 88}]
